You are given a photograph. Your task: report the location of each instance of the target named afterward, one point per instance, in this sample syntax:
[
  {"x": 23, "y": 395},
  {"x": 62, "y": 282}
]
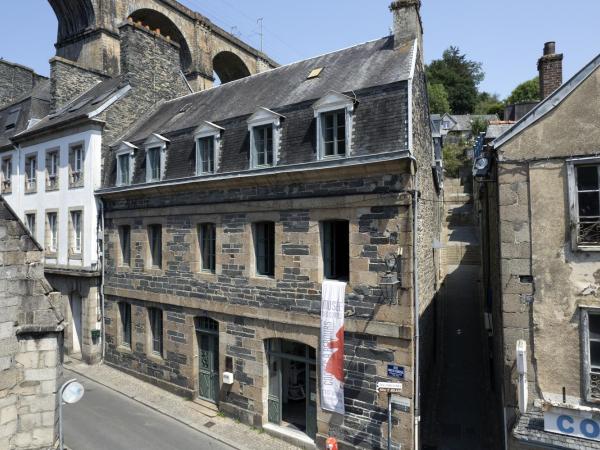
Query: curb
[{"x": 203, "y": 431}]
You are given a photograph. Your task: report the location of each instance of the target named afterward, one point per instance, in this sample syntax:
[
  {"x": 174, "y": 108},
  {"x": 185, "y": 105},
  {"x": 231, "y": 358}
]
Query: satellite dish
[{"x": 73, "y": 392}]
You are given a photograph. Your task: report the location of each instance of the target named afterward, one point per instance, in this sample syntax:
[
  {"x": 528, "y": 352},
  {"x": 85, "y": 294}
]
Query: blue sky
[{"x": 507, "y": 37}]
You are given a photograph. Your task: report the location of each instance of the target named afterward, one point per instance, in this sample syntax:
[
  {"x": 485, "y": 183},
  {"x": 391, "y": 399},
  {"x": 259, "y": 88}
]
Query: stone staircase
[{"x": 461, "y": 241}]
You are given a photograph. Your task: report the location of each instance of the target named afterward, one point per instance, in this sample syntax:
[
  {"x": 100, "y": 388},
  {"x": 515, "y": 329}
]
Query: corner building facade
[{"x": 227, "y": 210}]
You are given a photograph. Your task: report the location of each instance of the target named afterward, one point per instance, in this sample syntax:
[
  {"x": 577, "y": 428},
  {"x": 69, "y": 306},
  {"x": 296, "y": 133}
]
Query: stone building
[
  {"x": 228, "y": 212},
  {"x": 51, "y": 165},
  {"x": 112, "y": 66},
  {"x": 540, "y": 209},
  {"x": 30, "y": 341}
]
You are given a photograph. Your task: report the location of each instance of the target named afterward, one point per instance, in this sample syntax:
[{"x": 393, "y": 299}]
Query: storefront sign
[
  {"x": 332, "y": 346},
  {"x": 572, "y": 423}
]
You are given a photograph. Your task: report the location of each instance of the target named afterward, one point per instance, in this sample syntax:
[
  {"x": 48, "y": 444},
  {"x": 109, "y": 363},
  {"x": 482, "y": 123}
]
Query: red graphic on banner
[{"x": 335, "y": 365}]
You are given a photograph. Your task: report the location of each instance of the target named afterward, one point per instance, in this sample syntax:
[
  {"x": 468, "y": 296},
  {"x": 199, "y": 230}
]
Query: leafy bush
[{"x": 454, "y": 159}]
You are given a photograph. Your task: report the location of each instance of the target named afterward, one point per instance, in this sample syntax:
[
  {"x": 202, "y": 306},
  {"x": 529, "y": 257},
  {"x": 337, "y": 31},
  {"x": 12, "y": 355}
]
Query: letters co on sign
[{"x": 572, "y": 423}]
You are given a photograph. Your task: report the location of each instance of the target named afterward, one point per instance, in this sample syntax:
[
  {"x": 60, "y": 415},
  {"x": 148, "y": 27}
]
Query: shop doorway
[
  {"x": 207, "y": 333},
  {"x": 292, "y": 385}
]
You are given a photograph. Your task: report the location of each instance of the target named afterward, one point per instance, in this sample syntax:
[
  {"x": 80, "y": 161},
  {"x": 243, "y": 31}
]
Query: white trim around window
[
  {"x": 330, "y": 103},
  {"x": 261, "y": 118},
  {"x": 154, "y": 142},
  {"x": 125, "y": 155},
  {"x": 210, "y": 133}
]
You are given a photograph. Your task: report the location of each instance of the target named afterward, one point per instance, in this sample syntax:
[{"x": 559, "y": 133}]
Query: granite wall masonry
[
  {"x": 68, "y": 81},
  {"x": 16, "y": 81},
  {"x": 30, "y": 341}
]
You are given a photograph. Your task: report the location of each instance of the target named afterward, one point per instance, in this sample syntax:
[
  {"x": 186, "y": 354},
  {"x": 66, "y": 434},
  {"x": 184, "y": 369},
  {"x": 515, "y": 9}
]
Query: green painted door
[
  {"x": 274, "y": 389},
  {"x": 208, "y": 387}
]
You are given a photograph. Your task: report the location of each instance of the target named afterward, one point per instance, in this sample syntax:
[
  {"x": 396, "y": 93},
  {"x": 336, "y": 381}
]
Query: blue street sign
[{"x": 395, "y": 371}]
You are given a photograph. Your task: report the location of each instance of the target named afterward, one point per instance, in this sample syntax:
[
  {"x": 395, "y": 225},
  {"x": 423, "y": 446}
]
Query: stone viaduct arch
[{"x": 88, "y": 33}]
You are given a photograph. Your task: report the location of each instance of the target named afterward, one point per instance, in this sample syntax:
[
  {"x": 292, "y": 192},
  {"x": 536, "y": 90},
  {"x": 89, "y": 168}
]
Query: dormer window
[
  {"x": 334, "y": 114},
  {"x": 125, "y": 155},
  {"x": 208, "y": 142},
  {"x": 265, "y": 128},
  {"x": 156, "y": 147}
]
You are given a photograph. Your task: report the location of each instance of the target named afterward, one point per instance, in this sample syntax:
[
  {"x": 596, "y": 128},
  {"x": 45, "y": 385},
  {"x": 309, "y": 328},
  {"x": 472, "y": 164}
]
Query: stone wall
[
  {"x": 16, "y": 81},
  {"x": 30, "y": 341},
  {"x": 68, "y": 81},
  {"x": 252, "y": 309}
]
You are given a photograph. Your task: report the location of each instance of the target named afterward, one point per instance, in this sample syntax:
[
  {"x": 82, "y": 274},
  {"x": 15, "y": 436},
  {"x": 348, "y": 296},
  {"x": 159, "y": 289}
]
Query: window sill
[
  {"x": 52, "y": 255},
  {"x": 263, "y": 281},
  {"x": 123, "y": 269},
  {"x": 155, "y": 271},
  {"x": 205, "y": 276},
  {"x": 52, "y": 188},
  {"x": 156, "y": 357},
  {"x": 76, "y": 256},
  {"x": 588, "y": 248},
  {"x": 76, "y": 186},
  {"x": 30, "y": 191},
  {"x": 124, "y": 348}
]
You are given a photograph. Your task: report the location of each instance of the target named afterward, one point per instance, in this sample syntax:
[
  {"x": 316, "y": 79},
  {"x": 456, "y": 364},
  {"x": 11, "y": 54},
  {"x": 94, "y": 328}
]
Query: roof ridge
[{"x": 275, "y": 69}]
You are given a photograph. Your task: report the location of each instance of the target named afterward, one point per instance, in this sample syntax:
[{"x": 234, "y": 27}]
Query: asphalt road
[{"x": 107, "y": 420}]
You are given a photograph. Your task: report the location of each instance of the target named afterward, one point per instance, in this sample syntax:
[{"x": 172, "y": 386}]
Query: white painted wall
[{"x": 62, "y": 199}]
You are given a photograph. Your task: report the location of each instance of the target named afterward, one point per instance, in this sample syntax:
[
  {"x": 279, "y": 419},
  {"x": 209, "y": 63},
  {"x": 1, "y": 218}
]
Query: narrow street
[
  {"x": 462, "y": 407},
  {"x": 107, "y": 420}
]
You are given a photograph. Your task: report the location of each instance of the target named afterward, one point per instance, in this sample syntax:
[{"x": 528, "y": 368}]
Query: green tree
[
  {"x": 489, "y": 104},
  {"x": 479, "y": 125},
  {"x": 438, "y": 99},
  {"x": 529, "y": 91},
  {"x": 459, "y": 76},
  {"x": 454, "y": 158}
]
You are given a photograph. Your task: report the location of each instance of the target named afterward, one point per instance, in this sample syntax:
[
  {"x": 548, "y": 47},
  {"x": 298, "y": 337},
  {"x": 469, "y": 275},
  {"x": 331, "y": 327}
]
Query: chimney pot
[{"x": 549, "y": 48}]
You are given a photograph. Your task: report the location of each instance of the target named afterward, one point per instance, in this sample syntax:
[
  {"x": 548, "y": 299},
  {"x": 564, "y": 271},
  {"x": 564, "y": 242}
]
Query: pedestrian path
[
  {"x": 223, "y": 429},
  {"x": 461, "y": 405}
]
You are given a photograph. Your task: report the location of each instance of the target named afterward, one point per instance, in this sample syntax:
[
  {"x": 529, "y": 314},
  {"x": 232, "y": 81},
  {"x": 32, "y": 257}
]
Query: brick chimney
[
  {"x": 550, "y": 69},
  {"x": 407, "y": 22}
]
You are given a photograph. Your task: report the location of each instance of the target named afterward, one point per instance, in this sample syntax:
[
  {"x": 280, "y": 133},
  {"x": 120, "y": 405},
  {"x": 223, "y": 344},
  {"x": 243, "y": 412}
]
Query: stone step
[
  {"x": 454, "y": 255},
  {"x": 203, "y": 407}
]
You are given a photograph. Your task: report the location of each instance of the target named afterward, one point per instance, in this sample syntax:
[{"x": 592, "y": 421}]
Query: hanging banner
[{"x": 332, "y": 346}]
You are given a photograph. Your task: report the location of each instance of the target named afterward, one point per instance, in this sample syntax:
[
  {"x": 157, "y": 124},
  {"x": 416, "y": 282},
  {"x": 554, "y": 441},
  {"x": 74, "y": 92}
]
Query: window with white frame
[
  {"x": 31, "y": 173},
  {"x": 76, "y": 165},
  {"x": 208, "y": 142},
  {"x": 76, "y": 232},
  {"x": 156, "y": 147},
  {"x": 334, "y": 114},
  {"x": 30, "y": 222},
  {"x": 6, "y": 175},
  {"x": 265, "y": 129},
  {"x": 52, "y": 232},
  {"x": 590, "y": 335},
  {"x": 584, "y": 199},
  {"x": 124, "y": 156},
  {"x": 52, "y": 164}
]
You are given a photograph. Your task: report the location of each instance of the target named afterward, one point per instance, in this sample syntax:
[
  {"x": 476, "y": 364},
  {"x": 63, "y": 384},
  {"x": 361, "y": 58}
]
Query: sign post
[{"x": 390, "y": 388}]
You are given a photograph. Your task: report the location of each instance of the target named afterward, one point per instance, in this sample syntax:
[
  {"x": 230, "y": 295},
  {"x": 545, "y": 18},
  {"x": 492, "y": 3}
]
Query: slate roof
[
  {"x": 33, "y": 106},
  {"x": 463, "y": 122},
  {"x": 80, "y": 107},
  {"x": 495, "y": 130},
  {"x": 371, "y": 64},
  {"x": 530, "y": 429}
]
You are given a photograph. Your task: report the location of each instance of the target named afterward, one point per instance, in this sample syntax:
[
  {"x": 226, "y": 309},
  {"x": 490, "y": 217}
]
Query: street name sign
[
  {"x": 392, "y": 388},
  {"x": 395, "y": 371}
]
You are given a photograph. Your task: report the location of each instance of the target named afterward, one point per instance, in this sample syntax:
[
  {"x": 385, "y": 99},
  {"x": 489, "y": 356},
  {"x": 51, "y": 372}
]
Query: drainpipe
[
  {"x": 416, "y": 308},
  {"x": 102, "y": 265}
]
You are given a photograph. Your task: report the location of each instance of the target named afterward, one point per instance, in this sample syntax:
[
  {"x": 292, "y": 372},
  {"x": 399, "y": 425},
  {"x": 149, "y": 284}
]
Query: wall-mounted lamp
[{"x": 390, "y": 282}]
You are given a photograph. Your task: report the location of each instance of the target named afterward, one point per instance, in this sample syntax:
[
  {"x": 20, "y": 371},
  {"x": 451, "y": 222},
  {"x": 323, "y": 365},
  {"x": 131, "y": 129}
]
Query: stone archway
[
  {"x": 157, "y": 21},
  {"x": 74, "y": 17},
  {"x": 229, "y": 67}
]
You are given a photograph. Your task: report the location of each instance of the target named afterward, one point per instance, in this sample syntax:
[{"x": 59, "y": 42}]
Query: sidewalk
[{"x": 225, "y": 430}]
